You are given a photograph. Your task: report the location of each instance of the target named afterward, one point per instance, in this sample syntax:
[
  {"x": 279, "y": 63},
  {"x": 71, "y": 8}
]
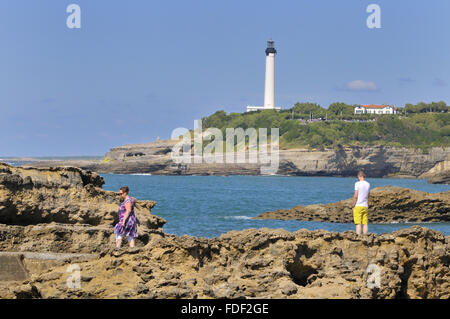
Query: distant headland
[{"x": 313, "y": 141}]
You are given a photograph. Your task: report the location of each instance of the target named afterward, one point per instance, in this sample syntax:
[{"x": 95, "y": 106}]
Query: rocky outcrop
[
  {"x": 386, "y": 205},
  {"x": 53, "y": 250},
  {"x": 439, "y": 174},
  {"x": 442, "y": 178},
  {"x": 31, "y": 196},
  {"x": 377, "y": 161},
  {"x": 51, "y": 216}
]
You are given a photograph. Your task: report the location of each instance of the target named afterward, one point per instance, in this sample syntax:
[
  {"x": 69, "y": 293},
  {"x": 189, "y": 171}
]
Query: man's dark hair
[
  {"x": 125, "y": 189},
  {"x": 361, "y": 173}
]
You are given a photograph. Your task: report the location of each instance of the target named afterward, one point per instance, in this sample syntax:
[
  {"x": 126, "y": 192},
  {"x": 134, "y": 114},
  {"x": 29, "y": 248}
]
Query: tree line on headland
[{"x": 423, "y": 125}]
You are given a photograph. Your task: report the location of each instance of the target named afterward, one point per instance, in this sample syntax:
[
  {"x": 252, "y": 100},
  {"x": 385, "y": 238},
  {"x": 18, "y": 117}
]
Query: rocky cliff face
[
  {"x": 54, "y": 246},
  {"x": 377, "y": 161},
  {"x": 31, "y": 196},
  {"x": 439, "y": 174},
  {"x": 386, "y": 205}
]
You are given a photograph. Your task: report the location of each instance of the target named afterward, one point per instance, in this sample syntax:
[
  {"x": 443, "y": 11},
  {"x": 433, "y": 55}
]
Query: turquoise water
[{"x": 207, "y": 206}]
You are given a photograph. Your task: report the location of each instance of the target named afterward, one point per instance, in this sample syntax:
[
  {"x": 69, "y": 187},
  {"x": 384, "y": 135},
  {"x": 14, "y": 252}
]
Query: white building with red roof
[{"x": 375, "y": 109}]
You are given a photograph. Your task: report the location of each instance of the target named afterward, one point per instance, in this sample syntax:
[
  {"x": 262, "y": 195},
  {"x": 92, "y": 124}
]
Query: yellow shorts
[{"x": 360, "y": 215}]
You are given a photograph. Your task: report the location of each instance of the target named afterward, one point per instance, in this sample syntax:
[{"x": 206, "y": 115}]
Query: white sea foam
[
  {"x": 238, "y": 217},
  {"x": 141, "y": 174}
]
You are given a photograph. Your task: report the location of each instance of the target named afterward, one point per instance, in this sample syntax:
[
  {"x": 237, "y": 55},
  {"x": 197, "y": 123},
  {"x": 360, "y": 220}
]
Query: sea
[{"x": 208, "y": 206}]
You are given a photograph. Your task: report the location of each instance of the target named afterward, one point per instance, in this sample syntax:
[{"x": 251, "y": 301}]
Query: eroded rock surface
[
  {"x": 263, "y": 263},
  {"x": 69, "y": 195},
  {"x": 439, "y": 174}
]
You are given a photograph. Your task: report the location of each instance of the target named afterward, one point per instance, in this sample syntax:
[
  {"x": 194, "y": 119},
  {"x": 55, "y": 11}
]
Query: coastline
[{"x": 375, "y": 161}]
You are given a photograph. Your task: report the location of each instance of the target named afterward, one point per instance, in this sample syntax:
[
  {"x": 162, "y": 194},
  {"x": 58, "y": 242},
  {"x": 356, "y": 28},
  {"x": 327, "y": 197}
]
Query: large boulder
[
  {"x": 68, "y": 195},
  {"x": 440, "y": 178}
]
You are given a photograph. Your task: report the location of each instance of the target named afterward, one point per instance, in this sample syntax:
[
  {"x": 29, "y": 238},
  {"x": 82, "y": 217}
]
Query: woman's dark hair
[{"x": 125, "y": 189}]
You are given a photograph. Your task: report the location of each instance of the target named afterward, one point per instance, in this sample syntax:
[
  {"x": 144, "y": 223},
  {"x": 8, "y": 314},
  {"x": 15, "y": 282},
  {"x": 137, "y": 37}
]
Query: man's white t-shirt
[{"x": 363, "y": 189}]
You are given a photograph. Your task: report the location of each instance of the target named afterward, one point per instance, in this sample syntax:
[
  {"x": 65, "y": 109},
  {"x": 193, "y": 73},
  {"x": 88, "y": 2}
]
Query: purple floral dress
[{"x": 130, "y": 228}]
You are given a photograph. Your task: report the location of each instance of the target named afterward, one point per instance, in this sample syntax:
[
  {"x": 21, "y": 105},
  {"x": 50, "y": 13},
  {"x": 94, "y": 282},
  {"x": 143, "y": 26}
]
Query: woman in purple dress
[{"x": 127, "y": 225}]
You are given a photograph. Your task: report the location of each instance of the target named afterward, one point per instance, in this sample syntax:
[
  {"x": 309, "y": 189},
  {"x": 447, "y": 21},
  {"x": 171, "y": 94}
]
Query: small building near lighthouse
[
  {"x": 269, "y": 89},
  {"x": 375, "y": 109}
]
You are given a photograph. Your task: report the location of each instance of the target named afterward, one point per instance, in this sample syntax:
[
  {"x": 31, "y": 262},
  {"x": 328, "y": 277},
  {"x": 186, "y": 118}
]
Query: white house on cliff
[{"x": 375, "y": 109}]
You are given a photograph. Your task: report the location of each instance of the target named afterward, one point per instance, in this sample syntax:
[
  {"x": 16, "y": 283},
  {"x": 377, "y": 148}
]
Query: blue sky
[{"x": 138, "y": 69}]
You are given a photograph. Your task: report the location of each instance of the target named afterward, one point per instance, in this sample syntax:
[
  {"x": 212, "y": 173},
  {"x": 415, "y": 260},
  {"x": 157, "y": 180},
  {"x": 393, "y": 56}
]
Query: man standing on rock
[{"x": 361, "y": 203}]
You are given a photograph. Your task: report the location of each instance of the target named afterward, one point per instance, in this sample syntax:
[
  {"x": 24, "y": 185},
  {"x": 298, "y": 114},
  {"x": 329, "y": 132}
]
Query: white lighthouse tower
[{"x": 269, "y": 90}]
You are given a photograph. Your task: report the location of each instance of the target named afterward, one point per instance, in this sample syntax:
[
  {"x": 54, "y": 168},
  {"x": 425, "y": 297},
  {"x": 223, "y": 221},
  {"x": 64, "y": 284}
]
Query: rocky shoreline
[
  {"x": 388, "y": 204},
  {"x": 55, "y": 220},
  {"x": 378, "y": 161}
]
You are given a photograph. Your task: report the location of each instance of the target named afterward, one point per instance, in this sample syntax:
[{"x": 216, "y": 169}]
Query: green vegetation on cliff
[{"x": 424, "y": 126}]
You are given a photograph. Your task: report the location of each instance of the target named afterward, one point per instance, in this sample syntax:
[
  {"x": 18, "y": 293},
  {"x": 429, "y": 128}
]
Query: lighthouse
[
  {"x": 269, "y": 92},
  {"x": 269, "y": 89}
]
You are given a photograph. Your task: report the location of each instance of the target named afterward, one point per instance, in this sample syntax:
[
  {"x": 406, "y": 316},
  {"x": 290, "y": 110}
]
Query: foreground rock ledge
[
  {"x": 254, "y": 263},
  {"x": 388, "y": 204}
]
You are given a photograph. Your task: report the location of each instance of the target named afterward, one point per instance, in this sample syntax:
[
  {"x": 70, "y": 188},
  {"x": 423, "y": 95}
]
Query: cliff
[
  {"x": 66, "y": 195},
  {"x": 60, "y": 244},
  {"x": 377, "y": 161},
  {"x": 439, "y": 174},
  {"x": 388, "y": 204}
]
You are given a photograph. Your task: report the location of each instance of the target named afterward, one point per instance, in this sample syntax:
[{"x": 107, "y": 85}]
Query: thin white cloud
[{"x": 361, "y": 85}]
